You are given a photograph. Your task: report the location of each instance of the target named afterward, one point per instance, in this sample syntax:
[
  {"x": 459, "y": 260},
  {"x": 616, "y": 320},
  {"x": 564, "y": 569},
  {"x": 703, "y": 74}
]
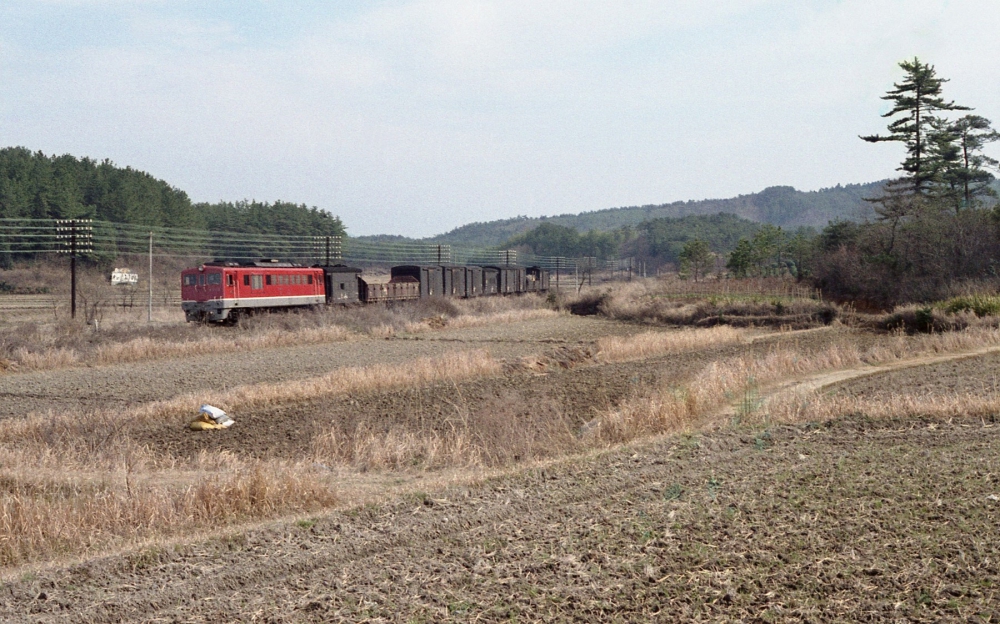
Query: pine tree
[
  {"x": 972, "y": 133},
  {"x": 696, "y": 258},
  {"x": 918, "y": 99}
]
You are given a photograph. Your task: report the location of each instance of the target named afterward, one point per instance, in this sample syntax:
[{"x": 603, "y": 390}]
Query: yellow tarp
[{"x": 204, "y": 423}]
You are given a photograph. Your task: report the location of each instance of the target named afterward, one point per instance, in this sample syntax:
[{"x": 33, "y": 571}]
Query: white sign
[{"x": 122, "y": 277}]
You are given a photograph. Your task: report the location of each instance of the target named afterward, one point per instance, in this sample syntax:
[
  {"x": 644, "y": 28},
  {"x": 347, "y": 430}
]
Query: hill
[
  {"x": 779, "y": 205},
  {"x": 661, "y": 238}
]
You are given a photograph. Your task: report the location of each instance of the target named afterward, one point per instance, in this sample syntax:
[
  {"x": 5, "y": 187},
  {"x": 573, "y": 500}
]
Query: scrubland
[{"x": 635, "y": 463}]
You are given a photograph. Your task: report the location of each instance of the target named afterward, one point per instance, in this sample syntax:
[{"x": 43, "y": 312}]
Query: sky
[{"x": 418, "y": 116}]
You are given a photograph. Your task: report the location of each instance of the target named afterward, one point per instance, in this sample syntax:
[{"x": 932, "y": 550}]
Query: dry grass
[
  {"x": 95, "y": 439},
  {"x": 672, "y": 285},
  {"x": 450, "y": 367},
  {"x": 656, "y": 302},
  {"x": 77, "y": 483},
  {"x": 43, "y": 518},
  {"x": 144, "y": 348},
  {"x": 494, "y": 318},
  {"x": 503, "y": 432},
  {"x": 798, "y": 407},
  {"x": 740, "y": 381},
  {"x": 648, "y": 344}
]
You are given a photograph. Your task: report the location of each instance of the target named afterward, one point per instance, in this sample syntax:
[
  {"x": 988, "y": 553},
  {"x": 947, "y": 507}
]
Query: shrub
[{"x": 980, "y": 305}]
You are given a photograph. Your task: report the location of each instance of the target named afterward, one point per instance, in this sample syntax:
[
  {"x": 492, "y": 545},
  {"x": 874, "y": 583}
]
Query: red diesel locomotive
[{"x": 220, "y": 291}]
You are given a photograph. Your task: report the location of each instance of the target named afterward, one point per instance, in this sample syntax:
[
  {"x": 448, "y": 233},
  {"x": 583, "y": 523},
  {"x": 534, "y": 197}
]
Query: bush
[
  {"x": 588, "y": 304},
  {"x": 914, "y": 319},
  {"x": 980, "y": 305}
]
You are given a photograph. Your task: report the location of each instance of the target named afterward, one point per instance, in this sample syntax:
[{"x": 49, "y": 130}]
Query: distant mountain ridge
[{"x": 779, "y": 205}]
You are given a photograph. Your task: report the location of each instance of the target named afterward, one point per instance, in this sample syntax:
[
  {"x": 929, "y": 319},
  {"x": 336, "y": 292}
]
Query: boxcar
[
  {"x": 537, "y": 279},
  {"x": 454, "y": 281},
  {"x": 510, "y": 279},
  {"x": 473, "y": 281},
  {"x": 491, "y": 280},
  {"x": 341, "y": 284},
  {"x": 431, "y": 278}
]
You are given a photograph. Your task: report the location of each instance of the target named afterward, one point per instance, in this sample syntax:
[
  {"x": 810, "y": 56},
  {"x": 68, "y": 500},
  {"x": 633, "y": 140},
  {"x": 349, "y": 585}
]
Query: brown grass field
[{"x": 501, "y": 460}]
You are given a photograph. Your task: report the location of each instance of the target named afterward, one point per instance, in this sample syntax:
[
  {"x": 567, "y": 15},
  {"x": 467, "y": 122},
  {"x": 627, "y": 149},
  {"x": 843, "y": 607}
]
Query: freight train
[{"x": 224, "y": 291}]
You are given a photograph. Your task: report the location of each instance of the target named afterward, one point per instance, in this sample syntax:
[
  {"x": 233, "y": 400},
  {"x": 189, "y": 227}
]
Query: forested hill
[
  {"x": 36, "y": 186},
  {"x": 779, "y": 205}
]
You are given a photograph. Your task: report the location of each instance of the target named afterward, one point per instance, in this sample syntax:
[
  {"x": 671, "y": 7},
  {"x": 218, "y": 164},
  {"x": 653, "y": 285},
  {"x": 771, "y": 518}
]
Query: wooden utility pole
[
  {"x": 149, "y": 305},
  {"x": 76, "y": 237}
]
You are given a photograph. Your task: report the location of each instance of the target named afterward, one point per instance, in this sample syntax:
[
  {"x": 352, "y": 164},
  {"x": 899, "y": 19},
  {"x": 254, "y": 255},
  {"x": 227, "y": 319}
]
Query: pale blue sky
[{"x": 415, "y": 117}]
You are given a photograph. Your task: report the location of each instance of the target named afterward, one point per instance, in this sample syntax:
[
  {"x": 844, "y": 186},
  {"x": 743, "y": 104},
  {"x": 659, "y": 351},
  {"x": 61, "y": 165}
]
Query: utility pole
[
  {"x": 149, "y": 307},
  {"x": 76, "y": 237},
  {"x": 323, "y": 246},
  {"x": 557, "y": 273}
]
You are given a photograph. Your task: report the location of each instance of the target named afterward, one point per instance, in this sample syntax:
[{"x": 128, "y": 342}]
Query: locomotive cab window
[
  {"x": 190, "y": 280},
  {"x": 214, "y": 279},
  {"x": 230, "y": 281}
]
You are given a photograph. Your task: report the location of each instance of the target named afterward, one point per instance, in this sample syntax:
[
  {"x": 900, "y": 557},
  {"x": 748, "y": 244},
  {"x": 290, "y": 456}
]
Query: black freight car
[
  {"x": 431, "y": 278},
  {"x": 473, "y": 281},
  {"x": 341, "y": 283},
  {"x": 491, "y": 280},
  {"x": 454, "y": 280},
  {"x": 537, "y": 279},
  {"x": 510, "y": 279}
]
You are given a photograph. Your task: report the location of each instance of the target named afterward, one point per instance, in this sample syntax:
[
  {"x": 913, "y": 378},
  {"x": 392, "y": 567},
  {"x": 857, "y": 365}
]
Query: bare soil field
[
  {"x": 492, "y": 495},
  {"x": 851, "y": 520},
  {"x": 978, "y": 376},
  {"x": 134, "y": 383}
]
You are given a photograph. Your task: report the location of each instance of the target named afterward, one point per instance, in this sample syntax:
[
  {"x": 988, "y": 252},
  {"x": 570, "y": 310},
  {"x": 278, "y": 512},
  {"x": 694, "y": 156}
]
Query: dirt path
[{"x": 828, "y": 380}]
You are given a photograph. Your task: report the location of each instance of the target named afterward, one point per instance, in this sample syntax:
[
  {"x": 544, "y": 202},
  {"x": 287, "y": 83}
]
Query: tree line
[{"x": 36, "y": 186}]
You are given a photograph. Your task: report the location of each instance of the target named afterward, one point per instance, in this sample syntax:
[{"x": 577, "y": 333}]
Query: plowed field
[
  {"x": 849, "y": 521},
  {"x": 846, "y": 520}
]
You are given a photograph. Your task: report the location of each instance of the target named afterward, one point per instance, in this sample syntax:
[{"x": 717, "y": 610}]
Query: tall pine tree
[{"x": 916, "y": 103}]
